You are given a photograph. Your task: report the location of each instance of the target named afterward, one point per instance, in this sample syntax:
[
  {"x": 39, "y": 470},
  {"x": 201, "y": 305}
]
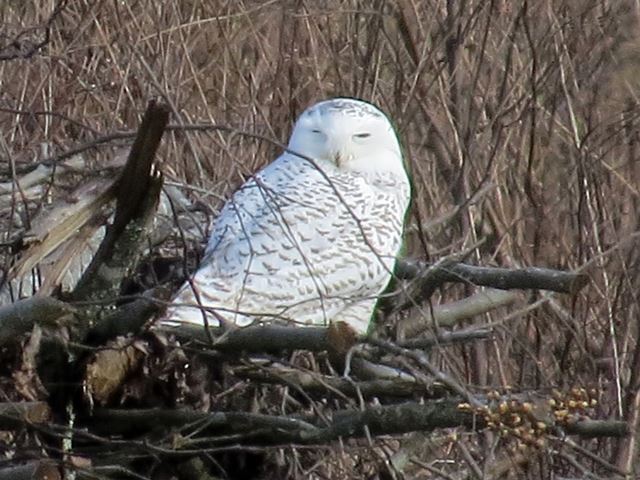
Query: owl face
[{"x": 351, "y": 134}]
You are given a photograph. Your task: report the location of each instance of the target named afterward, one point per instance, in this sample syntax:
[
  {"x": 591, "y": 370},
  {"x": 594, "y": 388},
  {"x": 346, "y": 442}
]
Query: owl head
[{"x": 351, "y": 134}]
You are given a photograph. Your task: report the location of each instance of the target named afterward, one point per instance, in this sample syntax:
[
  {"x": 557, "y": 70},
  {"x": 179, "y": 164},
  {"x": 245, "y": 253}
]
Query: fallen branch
[
  {"x": 132, "y": 421},
  {"x": 449, "y": 314},
  {"x": 223, "y": 428},
  {"x": 278, "y": 338},
  {"x": 314, "y": 383},
  {"x": 501, "y": 278},
  {"x": 128, "y": 318},
  {"x": 264, "y": 338},
  {"x": 15, "y": 415},
  {"x": 36, "y": 470},
  {"x": 62, "y": 223},
  {"x": 137, "y": 192},
  {"x": 20, "y": 317}
]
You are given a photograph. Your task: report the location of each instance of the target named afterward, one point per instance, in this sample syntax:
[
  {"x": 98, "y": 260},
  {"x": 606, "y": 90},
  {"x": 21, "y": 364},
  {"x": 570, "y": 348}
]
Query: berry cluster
[{"x": 528, "y": 421}]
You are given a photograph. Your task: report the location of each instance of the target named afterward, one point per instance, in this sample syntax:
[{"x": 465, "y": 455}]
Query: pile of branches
[{"x": 94, "y": 388}]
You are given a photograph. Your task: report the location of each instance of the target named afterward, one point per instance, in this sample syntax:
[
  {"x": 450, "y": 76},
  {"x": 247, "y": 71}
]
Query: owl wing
[{"x": 288, "y": 236}]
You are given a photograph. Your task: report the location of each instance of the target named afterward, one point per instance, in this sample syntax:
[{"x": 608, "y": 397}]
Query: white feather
[{"x": 312, "y": 238}]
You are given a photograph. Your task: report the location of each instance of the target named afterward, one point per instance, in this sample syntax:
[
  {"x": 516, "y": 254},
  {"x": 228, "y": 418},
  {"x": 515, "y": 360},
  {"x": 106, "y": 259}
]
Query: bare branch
[
  {"x": 266, "y": 338},
  {"x": 19, "y": 317},
  {"x": 501, "y": 278},
  {"x": 450, "y": 314},
  {"x": 138, "y": 189},
  {"x": 15, "y": 415},
  {"x": 313, "y": 383},
  {"x": 278, "y": 338},
  {"x": 259, "y": 429},
  {"x": 36, "y": 470}
]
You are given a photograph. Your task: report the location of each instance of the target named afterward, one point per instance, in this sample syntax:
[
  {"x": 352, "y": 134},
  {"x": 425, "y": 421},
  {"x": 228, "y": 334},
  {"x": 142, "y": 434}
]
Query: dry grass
[{"x": 519, "y": 120}]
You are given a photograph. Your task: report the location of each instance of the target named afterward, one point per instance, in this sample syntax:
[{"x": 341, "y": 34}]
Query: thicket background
[{"x": 519, "y": 121}]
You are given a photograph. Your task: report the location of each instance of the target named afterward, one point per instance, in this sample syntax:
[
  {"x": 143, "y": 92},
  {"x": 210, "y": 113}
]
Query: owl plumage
[{"x": 312, "y": 237}]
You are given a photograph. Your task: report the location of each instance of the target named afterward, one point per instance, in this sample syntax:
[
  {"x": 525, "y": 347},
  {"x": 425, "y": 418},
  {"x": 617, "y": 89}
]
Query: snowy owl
[{"x": 312, "y": 238}]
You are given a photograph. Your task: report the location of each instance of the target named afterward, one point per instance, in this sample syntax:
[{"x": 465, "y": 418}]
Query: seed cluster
[{"x": 528, "y": 421}]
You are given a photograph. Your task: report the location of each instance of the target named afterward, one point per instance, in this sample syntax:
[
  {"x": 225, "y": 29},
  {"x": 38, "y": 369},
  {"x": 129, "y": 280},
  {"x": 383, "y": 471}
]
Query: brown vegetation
[{"x": 520, "y": 124}]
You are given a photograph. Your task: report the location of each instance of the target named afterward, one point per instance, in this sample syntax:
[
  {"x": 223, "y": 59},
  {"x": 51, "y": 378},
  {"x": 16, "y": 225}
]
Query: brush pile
[{"x": 483, "y": 364}]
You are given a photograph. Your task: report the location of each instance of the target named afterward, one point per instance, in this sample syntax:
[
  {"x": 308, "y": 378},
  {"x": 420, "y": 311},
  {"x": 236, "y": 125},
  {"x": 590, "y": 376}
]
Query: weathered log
[
  {"x": 264, "y": 338},
  {"x": 137, "y": 193},
  {"x": 277, "y": 338}
]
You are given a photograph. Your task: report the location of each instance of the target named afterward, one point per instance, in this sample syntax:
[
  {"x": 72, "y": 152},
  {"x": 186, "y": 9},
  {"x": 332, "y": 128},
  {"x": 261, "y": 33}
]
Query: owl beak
[{"x": 338, "y": 148}]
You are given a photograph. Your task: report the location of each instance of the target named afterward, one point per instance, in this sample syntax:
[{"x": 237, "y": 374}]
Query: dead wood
[
  {"x": 274, "y": 429},
  {"x": 598, "y": 428},
  {"x": 263, "y": 338},
  {"x": 109, "y": 367},
  {"x": 128, "y": 318},
  {"x": 18, "y": 414},
  {"x": 432, "y": 276},
  {"x": 452, "y": 313},
  {"x": 278, "y": 338},
  {"x": 318, "y": 384},
  {"x": 20, "y": 317},
  {"x": 259, "y": 429},
  {"x": 137, "y": 193},
  {"x": 35, "y": 470},
  {"x": 63, "y": 222}
]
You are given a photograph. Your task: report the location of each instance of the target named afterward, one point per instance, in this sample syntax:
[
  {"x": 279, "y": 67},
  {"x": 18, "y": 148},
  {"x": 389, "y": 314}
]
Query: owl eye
[
  {"x": 315, "y": 130},
  {"x": 362, "y": 135}
]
